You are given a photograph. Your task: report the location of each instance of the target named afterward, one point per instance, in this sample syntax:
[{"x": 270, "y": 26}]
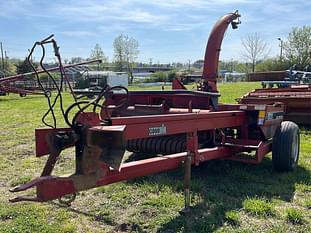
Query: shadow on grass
[
  {"x": 223, "y": 186},
  {"x": 94, "y": 216}
]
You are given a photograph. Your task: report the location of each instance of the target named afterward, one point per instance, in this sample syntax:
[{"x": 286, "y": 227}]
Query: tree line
[
  {"x": 125, "y": 54},
  {"x": 294, "y": 50}
]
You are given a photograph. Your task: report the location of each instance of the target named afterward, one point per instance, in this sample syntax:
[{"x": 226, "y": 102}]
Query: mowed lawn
[{"x": 226, "y": 196}]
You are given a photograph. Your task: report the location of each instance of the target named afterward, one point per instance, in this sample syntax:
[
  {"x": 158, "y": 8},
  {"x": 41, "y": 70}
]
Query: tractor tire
[{"x": 285, "y": 147}]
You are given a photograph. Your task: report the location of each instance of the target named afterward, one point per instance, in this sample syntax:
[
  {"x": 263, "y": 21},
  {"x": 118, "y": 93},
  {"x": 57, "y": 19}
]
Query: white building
[{"x": 106, "y": 77}]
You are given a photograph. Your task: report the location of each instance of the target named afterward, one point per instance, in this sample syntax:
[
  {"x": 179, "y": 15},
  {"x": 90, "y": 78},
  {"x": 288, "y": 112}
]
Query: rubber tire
[{"x": 285, "y": 147}]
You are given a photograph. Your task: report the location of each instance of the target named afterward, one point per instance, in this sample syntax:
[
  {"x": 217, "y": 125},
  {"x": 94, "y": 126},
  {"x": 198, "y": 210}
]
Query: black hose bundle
[
  {"x": 106, "y": 91},
  {"x": 48, "y": 95}
]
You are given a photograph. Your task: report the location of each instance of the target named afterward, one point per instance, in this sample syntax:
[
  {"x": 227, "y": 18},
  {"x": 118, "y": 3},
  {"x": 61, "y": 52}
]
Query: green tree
[
  {"x": 97, "y": 53},
  {"x": 9, "y": 68},
  {"x": 297, "y": 48},
  {"x": 272, "y": 64},
  {"x": 163, "y": 76},
  {"x": 118, "y": 53},
  {"x": 234, "y": 66},
  {"x": 198, "y": 64},
  {"x": 125, "y": 53},
  {"x": 74, "y": 60},
  {"x": 23, "y": 67}
]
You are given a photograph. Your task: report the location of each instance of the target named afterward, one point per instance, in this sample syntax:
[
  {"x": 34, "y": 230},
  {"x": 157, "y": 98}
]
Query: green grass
[
  {"x": 258, "y": 207},
  {"x": 308, "y": 203},
  {"x": 294, "y": 216},
  {"x": 226, "y": 196},
  {"x": 233, "y": 217},
  {"x": 33, "y": 218}
]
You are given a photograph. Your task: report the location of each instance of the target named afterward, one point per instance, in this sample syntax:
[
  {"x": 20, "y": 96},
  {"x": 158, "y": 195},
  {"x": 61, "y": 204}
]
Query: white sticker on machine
[
  {"x": 154, "y": 131},
  {"x": 260, "y": 107}
]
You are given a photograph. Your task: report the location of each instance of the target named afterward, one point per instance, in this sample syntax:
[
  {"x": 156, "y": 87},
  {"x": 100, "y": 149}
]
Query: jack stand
[{"x": 187, "y": 180}]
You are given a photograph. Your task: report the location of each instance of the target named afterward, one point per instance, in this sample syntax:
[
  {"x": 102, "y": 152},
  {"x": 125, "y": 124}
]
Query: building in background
[{"x": 102, "y": 78}]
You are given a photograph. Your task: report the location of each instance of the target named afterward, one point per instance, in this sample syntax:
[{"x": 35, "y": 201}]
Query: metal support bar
[
  {"x": 192, "y": 152},
  {"x": 187, "y": 181}
]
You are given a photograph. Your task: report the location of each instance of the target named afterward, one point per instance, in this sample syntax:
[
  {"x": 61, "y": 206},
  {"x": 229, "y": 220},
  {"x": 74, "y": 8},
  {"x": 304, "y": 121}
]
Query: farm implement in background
[
  {"x": 180, "y": 128},
  {"x": 294, "y": 92},
  {"x": 17, "y": 83}
]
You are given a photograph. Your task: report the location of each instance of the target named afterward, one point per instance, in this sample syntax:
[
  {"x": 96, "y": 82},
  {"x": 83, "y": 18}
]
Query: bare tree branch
[{"x": 255, "y": 48}]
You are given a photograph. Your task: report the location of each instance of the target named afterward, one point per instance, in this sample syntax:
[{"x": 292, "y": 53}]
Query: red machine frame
[
  {"x": 127, "y": 128},
  {"x": 192, "y": 122}
]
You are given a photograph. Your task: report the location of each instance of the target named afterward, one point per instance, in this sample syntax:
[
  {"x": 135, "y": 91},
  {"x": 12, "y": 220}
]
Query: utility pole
[
  {"x": 281, "y": 45},
  {"x": 189, "y": 65},
  {"x": 6, "y": 59},
  {"x": 2, "y": 59}
]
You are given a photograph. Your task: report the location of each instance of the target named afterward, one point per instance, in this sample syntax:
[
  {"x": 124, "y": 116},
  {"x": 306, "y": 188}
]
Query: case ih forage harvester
[{"x": 180, "y": 127}]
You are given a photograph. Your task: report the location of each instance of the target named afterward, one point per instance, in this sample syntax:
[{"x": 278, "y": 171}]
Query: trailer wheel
[{"x": 285, "y": 147}]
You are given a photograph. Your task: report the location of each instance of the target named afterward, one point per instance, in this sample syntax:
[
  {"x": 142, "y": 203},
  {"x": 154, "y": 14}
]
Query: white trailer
[
  {"x": 117, "y": 79},
  {"x": 108, "y": 77}
]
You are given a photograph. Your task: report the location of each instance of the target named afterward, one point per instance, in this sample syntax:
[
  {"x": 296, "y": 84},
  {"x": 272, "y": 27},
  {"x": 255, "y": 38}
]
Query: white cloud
[
  {"x": 196, "y": 3},
  {"x": 14, "y": 8},
  {"x": 142, "y": 16},
  {"x": 181, "y": 22},
  {"x": 76, "y": 33},
  {"x": 96, "y": 11}
]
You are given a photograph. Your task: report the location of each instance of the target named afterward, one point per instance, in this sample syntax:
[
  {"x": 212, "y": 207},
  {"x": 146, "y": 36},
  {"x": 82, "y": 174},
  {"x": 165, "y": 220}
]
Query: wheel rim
[{"x": 295, "y": 147}]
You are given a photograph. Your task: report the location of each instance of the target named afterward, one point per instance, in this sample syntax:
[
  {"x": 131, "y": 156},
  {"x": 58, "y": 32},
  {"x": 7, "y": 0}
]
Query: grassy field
[{"x": 226, "y": 196}]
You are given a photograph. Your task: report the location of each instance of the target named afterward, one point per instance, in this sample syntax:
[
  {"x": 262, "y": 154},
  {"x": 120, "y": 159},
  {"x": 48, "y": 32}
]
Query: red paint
[
  {"x": 213, "y": 47},
  {"x": 296, "y": 100},
  {"x": 155, "y": 114},
  {"x": 177, "y": 85},
  {"x": 42, "y": 147}
]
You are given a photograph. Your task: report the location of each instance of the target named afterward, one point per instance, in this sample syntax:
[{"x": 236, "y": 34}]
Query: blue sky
[{"x": 167, "y": 31}]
